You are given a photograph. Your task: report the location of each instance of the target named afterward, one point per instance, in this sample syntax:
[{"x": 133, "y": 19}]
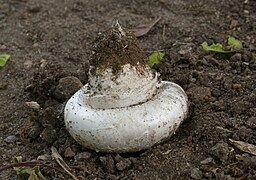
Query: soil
[
  {"x": 50, "y": 43},
  {"x": 115, "y": 48}
]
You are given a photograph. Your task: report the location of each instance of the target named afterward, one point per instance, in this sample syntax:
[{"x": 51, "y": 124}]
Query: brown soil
[
  {"x": 115, "y": 48},
  {"x": 50, "y": 44}
]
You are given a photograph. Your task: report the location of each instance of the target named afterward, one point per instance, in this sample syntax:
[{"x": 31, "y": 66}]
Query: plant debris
[
  {"x": 234, "y": 43},
  {"x": 143, "y": 29},
  {"x": 3, "y": 59},
  {"x": 34, "y": 173},
  {"x": 155, "y": 58},
  {"x": 214, "y": 47},
  {"x": 245, "y": 147},
  {"x": 61, "y": 162}
]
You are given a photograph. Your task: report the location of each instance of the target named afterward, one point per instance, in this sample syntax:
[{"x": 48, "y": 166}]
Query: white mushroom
[{"x": 124, "y": 107}]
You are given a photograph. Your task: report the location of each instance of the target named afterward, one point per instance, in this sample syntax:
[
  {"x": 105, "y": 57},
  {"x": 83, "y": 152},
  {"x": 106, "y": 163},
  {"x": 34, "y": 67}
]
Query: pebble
[
  {"x": 44, "y": 157},
  {"x": 49, "y": 135},
  {"x": 33, "y": 105},
  {"x": 118, "y": 158},
  {"x": 236, "y": 57},
  {"x": 221, "y": 151},
  {"x": 69, "y": 152},
  {"x": 67, "y": 87},
  {"x": 249, "y": 162},
  {"x": 28, "y": 64},
  {"x": 196, "y": 173},
  {"x": 83, "y": 156},
  {"x": 11, "y": 139},
  {"x": 108, "y": 163},
  {"x": 123, "y": 165},
  {"x": 207, "y": 164},
  {"x": 43, "y": 63}
]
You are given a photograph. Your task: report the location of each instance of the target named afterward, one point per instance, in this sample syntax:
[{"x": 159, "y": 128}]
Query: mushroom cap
[{"x": 126, "y": 129}]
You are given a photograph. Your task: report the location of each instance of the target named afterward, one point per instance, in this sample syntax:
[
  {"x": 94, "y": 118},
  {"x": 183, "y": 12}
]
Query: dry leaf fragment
[
  {"x": 143, "y": 29},
  {"x": 243, "y": 146},
  {"x": 61, "y": 162}
]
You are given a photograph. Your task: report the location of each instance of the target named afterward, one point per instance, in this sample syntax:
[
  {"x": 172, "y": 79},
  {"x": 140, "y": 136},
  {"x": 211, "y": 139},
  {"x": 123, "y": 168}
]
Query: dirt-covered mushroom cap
[
  {"x": 124, "y": 107},
  {"x": 119, "y": 73}
]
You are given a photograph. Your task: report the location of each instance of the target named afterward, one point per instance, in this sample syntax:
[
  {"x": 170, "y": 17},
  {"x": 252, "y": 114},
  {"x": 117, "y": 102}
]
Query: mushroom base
[{"x": 127, "y": 129}]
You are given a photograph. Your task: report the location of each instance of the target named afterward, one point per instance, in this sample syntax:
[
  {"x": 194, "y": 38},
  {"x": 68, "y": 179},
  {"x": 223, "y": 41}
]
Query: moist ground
[{"x": 50, "y": 43}]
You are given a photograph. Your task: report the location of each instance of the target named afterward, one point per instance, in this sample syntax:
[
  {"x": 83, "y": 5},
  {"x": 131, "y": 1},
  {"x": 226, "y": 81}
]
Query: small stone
[
  {"x": 244, "y": 132},
  {"x": 28, "y": 64},
  {"x": 34, "y": 130},
  {"x": 246, "y": 11},
  {"x": 43, "y": 63},
  {"x": 108, "y": 163},
  {"x": 237, "y": 86},
  {"x": 69, "y": 152},
  {"x": 44, "y": 157},
  {"x": 33, "y": 105},
  {"x": 35, "y": 45},
  {"x": 207, "y": 165},
  {"x": 251, "y": 122},
  {"x": 83, "y": 156},
  {"x": 236, "y": 57},
  {"x": 196, "y": 174},
  {"x": 49, "y": 135},
  {"x": 123, "y": 165},
  {"x": 118, "y": 158},
  {"x": 52, "y": 116},
  {"x": 221, "y": 151},
  {"x": 34, "y": 8},
  {"x": 233, "y": 24},
  {"x": 249, "y": 162},
  {"x": 67, "y": 87},
  {"x": 11, "y": 139}
]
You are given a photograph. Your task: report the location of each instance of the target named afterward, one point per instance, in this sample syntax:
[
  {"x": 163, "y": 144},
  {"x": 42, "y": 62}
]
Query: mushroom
[{"x": 124, "y": 107}]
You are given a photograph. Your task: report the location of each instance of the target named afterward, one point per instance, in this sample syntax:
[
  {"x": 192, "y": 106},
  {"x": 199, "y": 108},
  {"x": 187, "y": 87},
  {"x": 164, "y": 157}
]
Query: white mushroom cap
[
  {"x": 124, "y": 107},
  {"x": 126, "y": 129}
]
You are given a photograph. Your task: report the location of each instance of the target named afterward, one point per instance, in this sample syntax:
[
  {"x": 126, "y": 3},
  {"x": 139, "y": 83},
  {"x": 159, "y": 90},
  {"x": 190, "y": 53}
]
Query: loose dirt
[{"x": 50, "y": 43}]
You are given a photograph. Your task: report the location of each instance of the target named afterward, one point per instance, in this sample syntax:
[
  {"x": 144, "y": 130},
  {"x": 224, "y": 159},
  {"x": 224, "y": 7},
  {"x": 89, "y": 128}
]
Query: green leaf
[
  {"x": 234, "y": 43},
  {"x": 3, "y": 59},
  {"x": 33, "y": 173},
  {"x": 214, "y": 47},
  {"x": 155, "y": 58}
]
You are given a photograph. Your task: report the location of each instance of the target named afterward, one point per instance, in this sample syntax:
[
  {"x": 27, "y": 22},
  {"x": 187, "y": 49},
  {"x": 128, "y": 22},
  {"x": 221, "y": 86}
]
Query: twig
[
  {"x": 29, "y": 164},
  {"x": 61, "y": 162}
]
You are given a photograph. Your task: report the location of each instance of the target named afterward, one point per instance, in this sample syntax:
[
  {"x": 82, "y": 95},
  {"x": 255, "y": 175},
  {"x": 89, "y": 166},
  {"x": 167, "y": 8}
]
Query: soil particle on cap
[{"x": 114, "y": 48}]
